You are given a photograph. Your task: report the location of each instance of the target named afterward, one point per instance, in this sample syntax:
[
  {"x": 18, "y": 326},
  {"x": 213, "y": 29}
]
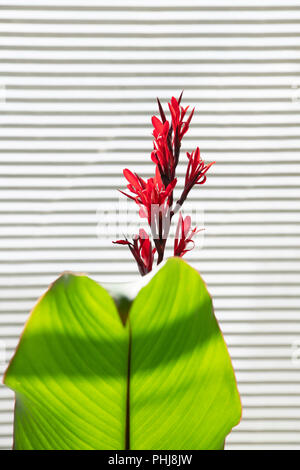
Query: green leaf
[
  {"x": 83, "y": 380},
  {"x": 70, "y": 370},
  {"x": 183, "y": 389}
]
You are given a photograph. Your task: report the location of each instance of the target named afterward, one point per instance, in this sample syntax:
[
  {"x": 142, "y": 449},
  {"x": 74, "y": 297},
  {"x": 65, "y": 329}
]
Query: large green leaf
[
  {"x": 70, "y": 370},
  {"x": 183, "y": 389},
  {"x": 163, "y": 381}
]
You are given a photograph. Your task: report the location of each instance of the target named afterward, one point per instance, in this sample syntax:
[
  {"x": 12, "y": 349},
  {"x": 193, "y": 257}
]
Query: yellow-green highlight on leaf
[{"x": 70, "y": 370}]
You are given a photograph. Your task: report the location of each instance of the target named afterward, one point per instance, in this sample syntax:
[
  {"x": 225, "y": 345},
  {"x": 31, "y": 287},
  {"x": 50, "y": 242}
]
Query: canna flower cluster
[{"x": 155, "y": 196}]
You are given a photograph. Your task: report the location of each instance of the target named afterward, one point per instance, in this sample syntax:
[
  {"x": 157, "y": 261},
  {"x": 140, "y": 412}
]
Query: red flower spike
[
  {"x": 155, "y": 196},
  {"x": 148, "y": 194},
  {"x": 183, "y": 236},
  {"x": 141, "y": 248}
]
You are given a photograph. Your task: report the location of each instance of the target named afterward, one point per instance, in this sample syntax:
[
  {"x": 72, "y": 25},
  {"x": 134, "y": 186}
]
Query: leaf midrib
[{"x": 127, "y": 423}]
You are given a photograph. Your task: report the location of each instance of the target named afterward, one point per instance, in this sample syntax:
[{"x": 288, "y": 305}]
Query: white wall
[{"x": 78, "y": 82}]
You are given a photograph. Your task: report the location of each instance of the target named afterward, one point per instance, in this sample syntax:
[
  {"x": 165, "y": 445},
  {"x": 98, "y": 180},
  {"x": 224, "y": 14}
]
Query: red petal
[
  {"x": 143, "y": 213},
  {"x": 179, "y": 99},
  {"x": 143, "y": 234},
  {"x": 128, "y": 195},
  {"x": 146, "y": 249},
  {"x": 131, "y": 178},
  {"x": 171, "y": 186},
  {"x": 158, "y": 180},
  {"x": 122, "y": 242},
  {"x": 157, "y": 124},
  {"x": 166, "y": 127},
  {"x": 190, "y": 117},
  {"x": 173, "y": 114},
  {"x": 187, "y": 225},
  {"x": 154, "y": 157},
  {"x": 161, "y": 111},
  {"x": 197, "y": 155},
  {"x": 175, "y": 104}
]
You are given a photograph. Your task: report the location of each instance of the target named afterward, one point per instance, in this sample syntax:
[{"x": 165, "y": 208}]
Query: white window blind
[{"x": 78, "y": 82}]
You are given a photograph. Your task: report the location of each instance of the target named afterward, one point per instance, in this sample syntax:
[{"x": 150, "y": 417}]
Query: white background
[{"x": 78, "y": 82}]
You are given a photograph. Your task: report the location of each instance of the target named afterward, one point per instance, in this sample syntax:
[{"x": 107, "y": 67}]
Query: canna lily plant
[
  {"x": 134, "y": 366},
  {"x": 155, "y": 196}
]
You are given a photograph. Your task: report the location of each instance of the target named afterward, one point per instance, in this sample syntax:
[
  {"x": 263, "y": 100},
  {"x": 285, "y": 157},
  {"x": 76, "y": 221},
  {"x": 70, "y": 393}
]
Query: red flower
[
  {"x": 196, "y": 170},
  {"x": 166, "y": 150},
  {"x": 141, "y": 248},
  {"x": 178, "y": 113},
  {"x": 183, "y": 236},
  {"x": 148, "y": 194},
  {"x": 195, "y": 174},
  {"x": 162, "y": 154}
]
